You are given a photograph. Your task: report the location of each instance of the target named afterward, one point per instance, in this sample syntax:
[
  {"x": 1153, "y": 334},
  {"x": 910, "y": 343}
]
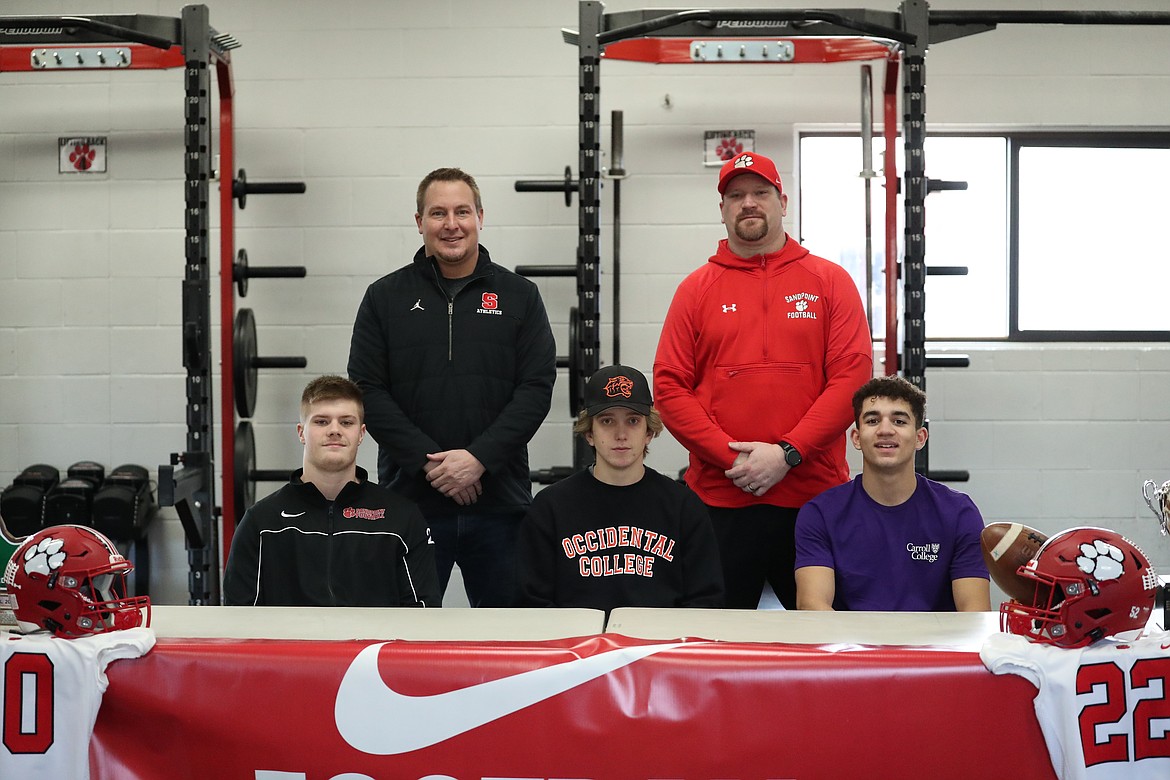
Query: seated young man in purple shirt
[{"x": 890, "y": 540}]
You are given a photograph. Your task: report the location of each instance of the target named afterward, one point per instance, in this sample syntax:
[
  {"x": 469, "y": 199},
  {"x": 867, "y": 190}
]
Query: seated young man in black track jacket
[
  {"x": 331, "y": 537},
  {"x": 618, "y": 534}
]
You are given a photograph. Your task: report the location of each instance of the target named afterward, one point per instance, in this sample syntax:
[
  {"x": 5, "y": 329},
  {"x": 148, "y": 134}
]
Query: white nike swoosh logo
[
  {"x": 377, "y": 720},
  {"x": 286, "y": 514}
]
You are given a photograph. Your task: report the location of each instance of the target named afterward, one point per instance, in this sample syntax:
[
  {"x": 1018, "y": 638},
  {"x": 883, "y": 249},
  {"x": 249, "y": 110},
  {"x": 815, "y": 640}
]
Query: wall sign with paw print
[
  {"x": 719, "y": 146},
  {"x": 81, "y": 154}
]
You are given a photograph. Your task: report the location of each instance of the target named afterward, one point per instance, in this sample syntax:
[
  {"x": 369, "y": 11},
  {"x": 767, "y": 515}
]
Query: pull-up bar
[
  {"x": 157, "y": 31},
  {"x": 748, "y": 50},
  {"x": 43, "y": 43},
  {"x": 802, "y": 17},
  {"x": 1051, "y": 17}
]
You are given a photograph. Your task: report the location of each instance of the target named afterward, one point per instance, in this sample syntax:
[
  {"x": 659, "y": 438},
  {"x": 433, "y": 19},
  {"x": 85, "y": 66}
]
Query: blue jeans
[{"x": 484, "y": 546}]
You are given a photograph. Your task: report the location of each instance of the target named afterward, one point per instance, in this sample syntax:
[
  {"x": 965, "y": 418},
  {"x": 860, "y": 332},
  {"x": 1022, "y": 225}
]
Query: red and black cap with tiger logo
[{"x": 618, "y": 386}]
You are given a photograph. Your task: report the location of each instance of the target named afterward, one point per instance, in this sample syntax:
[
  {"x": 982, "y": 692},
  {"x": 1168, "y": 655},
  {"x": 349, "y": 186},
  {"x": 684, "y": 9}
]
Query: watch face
[{"x": 791, "y": 456}]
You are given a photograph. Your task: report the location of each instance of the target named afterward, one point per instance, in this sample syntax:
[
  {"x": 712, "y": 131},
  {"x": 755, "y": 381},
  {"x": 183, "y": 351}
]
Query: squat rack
[
  {"x": 796, "y": 36},
  {"x": 135, "y": 42},
  {"x": 34, "y": 44}
]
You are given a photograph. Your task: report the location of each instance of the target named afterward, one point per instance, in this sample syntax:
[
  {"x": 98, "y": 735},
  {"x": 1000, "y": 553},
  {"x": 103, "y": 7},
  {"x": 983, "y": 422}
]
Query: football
[{"x": 1007, "y": 547}]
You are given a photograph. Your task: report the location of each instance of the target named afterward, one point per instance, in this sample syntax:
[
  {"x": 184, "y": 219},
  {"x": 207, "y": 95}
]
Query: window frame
[{"x": 1016, "y": 140}]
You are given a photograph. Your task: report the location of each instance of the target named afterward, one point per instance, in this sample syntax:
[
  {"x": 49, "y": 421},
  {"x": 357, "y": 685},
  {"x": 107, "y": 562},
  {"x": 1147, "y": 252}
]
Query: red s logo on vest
[{"x": 489, "y": 300}]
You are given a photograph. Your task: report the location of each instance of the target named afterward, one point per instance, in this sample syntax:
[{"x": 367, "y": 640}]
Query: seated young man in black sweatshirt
[
  {"x": 618, "y": 534},
  {"x": 330, "y": 537}
]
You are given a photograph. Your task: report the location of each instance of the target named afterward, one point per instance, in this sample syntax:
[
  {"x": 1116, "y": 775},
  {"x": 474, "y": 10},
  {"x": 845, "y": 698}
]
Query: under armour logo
[
  {"x": 728, "y": 307},
  {"x": 418, "y": 305}
]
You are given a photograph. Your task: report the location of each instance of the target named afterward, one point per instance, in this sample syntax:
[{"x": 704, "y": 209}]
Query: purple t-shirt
[{"x": 892, "y": 558}]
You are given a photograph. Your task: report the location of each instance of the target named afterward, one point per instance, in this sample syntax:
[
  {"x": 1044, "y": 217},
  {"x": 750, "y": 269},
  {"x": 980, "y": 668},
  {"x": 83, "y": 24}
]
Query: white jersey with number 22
[{"x": 1104, "y": 709}]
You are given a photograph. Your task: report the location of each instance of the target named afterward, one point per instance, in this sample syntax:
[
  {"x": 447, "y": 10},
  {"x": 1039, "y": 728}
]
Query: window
[{"x": 1059, "y": 233}]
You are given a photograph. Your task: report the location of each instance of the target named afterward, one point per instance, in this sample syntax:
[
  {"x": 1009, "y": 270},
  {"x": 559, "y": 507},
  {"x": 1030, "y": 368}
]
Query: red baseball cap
[{"x": 749, "y": 162}]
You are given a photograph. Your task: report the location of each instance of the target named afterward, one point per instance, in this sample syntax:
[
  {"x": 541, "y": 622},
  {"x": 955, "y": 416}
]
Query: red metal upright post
[{"x": 227, "y": 298}]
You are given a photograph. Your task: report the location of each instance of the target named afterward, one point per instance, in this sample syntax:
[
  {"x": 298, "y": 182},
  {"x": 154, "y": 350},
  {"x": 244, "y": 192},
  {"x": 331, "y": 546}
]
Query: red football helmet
[
  {"x": 71, "y": 580},
  {"x": 1090, "y": 583}
]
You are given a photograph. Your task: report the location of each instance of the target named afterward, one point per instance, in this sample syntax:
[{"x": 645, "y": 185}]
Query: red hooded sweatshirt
[{"x": 766, "y": 348}]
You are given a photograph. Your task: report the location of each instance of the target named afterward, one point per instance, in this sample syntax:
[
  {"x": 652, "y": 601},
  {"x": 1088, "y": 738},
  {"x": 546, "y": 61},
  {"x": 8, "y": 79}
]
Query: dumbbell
[
  {"x": 246, "y": 363},
  {"x": 124, "y": 505},
  {"x": 70, "y": 502},
  {"x": 22, "y": 504}
]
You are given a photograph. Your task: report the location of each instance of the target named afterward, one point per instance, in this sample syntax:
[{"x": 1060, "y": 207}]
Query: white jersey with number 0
[
  {"x": 50, "y": 691},
  {"x": 1104, "y": 709}
]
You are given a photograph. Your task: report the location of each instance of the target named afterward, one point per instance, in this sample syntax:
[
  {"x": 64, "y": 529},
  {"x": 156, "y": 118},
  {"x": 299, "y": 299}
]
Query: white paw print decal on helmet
[
  {"x": 1101, "y": 560},
  {"x": 744, "y": 161},
  {"x": 44, "y": 557}
]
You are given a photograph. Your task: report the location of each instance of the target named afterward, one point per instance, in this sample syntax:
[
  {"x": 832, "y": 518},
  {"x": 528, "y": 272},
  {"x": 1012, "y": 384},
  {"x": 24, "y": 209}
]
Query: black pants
[
  {"x": 484, "y": 546},
  {"x": 756, "y": 544}
]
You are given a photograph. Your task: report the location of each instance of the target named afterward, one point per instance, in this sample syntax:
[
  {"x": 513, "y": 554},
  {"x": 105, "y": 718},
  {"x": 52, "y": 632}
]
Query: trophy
[{"x": 1158, "y": 500}]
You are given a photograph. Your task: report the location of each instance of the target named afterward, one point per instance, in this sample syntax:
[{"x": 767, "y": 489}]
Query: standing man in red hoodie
[{"x": 760, "y": 354}]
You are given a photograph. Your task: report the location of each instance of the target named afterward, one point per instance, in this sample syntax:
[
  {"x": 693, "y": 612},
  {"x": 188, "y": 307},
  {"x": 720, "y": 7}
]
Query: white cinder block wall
[{"x": 360, "y": 98}]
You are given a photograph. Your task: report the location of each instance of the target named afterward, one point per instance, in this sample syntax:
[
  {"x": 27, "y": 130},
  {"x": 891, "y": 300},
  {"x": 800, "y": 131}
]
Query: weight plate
[
  {"x": 240, "y": 273},
  {"x": 244, "y": 362},
  {"x": 245, "y": 463},
  {"x": 576, "y": 386},
  {"x": 240, "y": 188}
]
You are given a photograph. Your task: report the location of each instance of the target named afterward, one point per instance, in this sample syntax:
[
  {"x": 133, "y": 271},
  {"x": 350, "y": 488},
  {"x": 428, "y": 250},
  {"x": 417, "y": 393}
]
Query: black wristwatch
[{"x": 791, "y": 456}]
